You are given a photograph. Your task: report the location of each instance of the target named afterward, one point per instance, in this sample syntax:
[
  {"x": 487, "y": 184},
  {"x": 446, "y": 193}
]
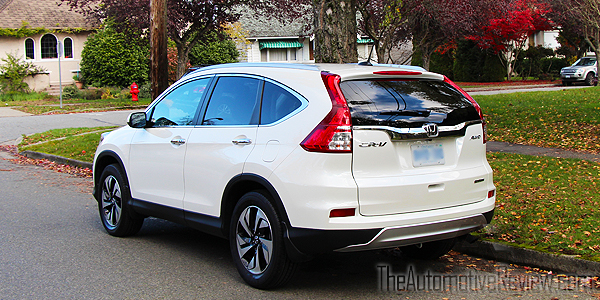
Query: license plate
[
  {"x": 567, "y": 76},
  {"x": 427, "y": 155}
]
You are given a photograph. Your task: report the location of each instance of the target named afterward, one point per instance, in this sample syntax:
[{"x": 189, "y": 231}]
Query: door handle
[
  {"x": 178, "y": 142},
  {"x": 242, "y": 142}
]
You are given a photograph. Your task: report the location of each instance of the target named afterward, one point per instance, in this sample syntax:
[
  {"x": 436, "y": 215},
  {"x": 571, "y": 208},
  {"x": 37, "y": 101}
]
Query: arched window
[
  {"x": 49, "y": 46},
  {"x": 68, "y": 48},
  {"x": 29, "y": 49}
]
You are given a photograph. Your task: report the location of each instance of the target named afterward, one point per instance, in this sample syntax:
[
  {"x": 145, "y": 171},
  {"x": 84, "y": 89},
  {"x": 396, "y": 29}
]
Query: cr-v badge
[{"x": 372, "y": 144}]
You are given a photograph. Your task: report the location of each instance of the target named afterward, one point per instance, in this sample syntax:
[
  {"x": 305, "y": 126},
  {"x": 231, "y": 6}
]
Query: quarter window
[
  {"x": 29, "y": 49},
  {"x": 234, "y": 101},
  {"x": 277, "y": 103},
  {"x": 179, "y": 107},
  {"x": 49, "y": 46}
]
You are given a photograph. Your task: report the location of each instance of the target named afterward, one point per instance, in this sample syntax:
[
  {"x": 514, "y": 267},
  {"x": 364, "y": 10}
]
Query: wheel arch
[
  {"x": 244, "y": 183},
  {"x": 104, "y": 159}
]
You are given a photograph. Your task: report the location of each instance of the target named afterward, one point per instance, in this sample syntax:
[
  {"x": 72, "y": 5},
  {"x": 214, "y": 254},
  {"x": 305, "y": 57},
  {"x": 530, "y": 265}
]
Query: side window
[
  {"x": 29, "y": 49},
  {"x": 277, "y": 103},
  {"x": 68, "y": 48},
  {"x": 233, "y": 102},
  {"x": 179, "y": 107}
]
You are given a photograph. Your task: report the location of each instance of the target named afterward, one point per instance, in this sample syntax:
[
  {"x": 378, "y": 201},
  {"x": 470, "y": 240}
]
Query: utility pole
[{"x": 159, "y": 66}]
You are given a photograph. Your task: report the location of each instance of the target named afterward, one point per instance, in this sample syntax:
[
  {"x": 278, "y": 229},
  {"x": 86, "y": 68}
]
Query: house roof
[
  {"x": 259, "y": 26},
  {"x": 40, "y": 13}
]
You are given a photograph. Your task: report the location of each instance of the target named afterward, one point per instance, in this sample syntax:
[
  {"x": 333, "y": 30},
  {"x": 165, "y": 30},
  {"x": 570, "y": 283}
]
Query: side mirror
[{"x": 137, "y": 120}]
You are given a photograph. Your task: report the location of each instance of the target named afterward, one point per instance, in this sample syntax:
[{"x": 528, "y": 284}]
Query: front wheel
[
  {"x": 430, "y": 250},
  {"x": 116, "y": 216},
  {"x": 256, "y": 242},
  {"x": 591, "y": 80}
]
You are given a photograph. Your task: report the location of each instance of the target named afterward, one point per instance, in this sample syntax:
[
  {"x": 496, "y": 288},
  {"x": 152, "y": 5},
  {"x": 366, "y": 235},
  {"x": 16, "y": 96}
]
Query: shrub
[
  {"x": 70, "y": 92},
  {"x": 110, "y": 58},
  {"x": 212, "y": 50},
  {"x": 13, "y": 72}
]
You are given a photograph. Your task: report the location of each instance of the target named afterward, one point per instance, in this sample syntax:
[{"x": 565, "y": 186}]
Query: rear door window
[
  {"x": 406, "y": 103},
  {"x": 234, "y": 101}
]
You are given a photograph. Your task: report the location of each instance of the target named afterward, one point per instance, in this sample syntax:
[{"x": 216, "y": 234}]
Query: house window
[
  {"x": 68, "y": 47},
  {"x": 282, "y": 54},
  {"x": 29, "y": 49},
  {"x": 49, "y": 46}
]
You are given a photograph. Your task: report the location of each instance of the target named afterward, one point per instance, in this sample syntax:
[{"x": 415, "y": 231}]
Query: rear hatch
[{"x": 418, "y": 145}]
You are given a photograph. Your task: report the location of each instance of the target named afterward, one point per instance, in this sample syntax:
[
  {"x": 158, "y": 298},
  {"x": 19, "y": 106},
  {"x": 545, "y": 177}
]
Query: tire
[
  {"x": 589, "y": 79},
  {"x": 257, "y": 245},
  {"x": 430, "y": 250},
  {"x": 115, "y": 213}
]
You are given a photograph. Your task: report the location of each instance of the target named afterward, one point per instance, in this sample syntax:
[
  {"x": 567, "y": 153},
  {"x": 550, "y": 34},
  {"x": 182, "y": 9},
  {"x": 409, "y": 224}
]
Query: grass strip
[
  {"x": 74, "y": 143},
  {"x": 567, "y": 119},
  {"x": 546, "y": 204}
]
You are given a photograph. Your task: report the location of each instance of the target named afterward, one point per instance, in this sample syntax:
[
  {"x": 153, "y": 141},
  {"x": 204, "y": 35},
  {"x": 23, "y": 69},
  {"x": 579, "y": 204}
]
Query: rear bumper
[{"x": 313, "y": 241}]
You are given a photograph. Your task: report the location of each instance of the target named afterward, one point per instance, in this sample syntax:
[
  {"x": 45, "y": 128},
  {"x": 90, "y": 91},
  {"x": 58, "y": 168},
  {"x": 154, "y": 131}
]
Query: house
[
  {"x": 36, "y": 30},
  {"x": 270, "y": 40}
]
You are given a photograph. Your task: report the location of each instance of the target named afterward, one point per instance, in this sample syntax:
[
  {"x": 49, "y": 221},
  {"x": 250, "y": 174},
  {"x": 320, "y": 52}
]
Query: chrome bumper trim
[{"x": 420, "y": 233}]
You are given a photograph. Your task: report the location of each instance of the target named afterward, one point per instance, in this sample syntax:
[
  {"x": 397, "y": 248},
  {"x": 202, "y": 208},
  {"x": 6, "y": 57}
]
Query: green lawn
[
  {"x": 568, "y": 119},
  {"x": 546, "y": 204},
  {"x": 41, "y": 103}
]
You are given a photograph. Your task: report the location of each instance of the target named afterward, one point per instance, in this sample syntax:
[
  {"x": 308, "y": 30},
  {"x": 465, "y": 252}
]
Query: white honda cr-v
[{"x": 288, "y": 161}]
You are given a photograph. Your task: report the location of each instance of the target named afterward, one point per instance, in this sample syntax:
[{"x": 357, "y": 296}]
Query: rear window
[{"x": 406, "y": 103}]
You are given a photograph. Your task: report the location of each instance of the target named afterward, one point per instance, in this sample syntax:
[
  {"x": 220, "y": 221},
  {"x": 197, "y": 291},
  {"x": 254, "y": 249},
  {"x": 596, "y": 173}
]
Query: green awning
[
  {"x": 364, "y": 41},
  {"x": 279, "y": 44}
]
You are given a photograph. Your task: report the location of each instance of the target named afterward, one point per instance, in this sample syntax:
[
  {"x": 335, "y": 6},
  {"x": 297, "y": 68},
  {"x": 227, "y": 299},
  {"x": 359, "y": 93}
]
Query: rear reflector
[
  {"x": 343, "y": 212},
  {"x": 402, "y": 73},
  {"x": 491, "y": 193}
]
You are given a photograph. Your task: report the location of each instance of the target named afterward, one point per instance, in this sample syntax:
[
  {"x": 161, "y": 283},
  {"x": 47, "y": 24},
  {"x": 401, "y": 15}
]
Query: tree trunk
[
  {"x": 182, "y": 60},
  {"x": 335, "y": 31},
  {"x": 159, "y": 69}
]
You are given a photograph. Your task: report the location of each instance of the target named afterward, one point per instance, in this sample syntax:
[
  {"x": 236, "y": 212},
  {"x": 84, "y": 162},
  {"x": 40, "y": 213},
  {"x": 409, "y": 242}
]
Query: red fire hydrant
[{"x": 134, "y": 92}]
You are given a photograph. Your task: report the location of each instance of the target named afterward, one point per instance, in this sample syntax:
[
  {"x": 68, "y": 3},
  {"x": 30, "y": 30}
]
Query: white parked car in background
[
  {"x": 288, "y": 161},
  {"x": 583, "y": 70}
]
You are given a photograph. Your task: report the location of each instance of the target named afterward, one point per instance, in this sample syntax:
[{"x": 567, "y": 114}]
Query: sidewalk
[{"x": 9, "y": 112}]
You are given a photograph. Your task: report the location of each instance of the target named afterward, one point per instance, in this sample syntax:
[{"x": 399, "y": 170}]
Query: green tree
[
  {"x": 110, "y": 58},
  {"x": 212, "y": 51}
]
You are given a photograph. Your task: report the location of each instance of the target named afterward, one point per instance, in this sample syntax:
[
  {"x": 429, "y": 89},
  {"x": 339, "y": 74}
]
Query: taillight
[
  {"x": 477, "y": 107},
  {"x": 334, "y": 133}
]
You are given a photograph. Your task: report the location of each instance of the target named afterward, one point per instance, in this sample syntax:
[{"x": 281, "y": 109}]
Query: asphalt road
[
  {"x": 53, "y": 246},
  {"x": 12, "y": 128}
]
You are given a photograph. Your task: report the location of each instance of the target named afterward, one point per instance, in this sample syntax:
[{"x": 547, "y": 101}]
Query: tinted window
[
  {"x": 233, "y": 102},
  {"x": 407, "y": 103},
  {"x": 276, "y": 103},
  {"x": 180, "y": 105}
]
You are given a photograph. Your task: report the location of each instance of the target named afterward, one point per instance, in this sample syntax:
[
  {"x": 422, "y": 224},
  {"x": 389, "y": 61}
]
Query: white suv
[{"x": 288, "y": 161}]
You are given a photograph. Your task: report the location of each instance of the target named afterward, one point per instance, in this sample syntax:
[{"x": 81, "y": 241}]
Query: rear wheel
[
  {"x": 256, "y": 242},
  {"x": 116, "y": 215},
  {"x": 429, "y": 250}
]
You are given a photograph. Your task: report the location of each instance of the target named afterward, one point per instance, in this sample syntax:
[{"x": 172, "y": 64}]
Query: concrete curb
[
  {"x": 57, "y": 159},
  {"x": 519, "y": 256}
]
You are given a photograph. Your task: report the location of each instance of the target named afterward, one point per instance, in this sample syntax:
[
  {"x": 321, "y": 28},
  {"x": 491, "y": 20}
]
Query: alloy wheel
[
  {"x": 254, "y": 240},
  {"x": 111, "y": 201}
]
